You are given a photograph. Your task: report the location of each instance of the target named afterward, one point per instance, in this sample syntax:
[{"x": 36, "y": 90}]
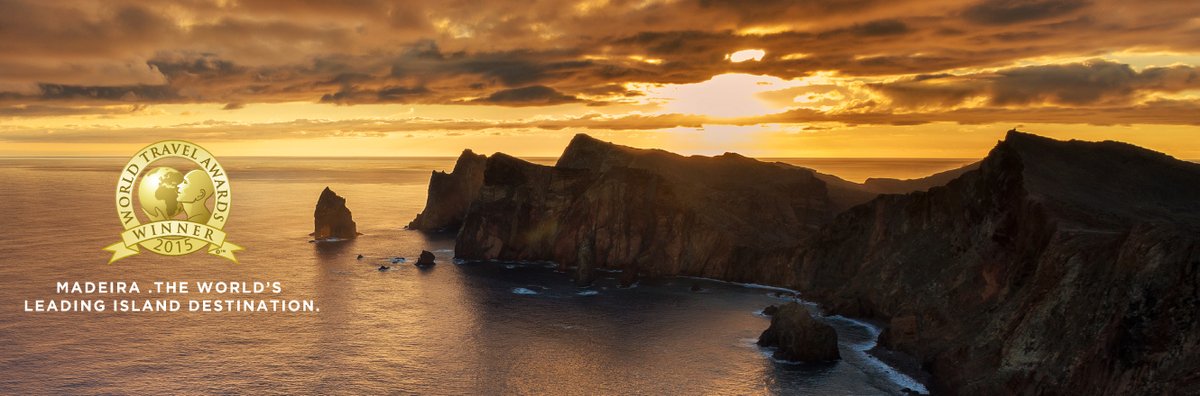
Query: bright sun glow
[
  {"x": 727, "y": 95},
  {"x": 745, "y": 55}
]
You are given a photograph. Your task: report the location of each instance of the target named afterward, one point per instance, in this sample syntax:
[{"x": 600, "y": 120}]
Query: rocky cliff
[
  {"x": 610, "y": 206},
  {"x": 646, "y": 211},
  {"x": 331, "y": 219},
  {"x": 797, "y": 336},
  {"x": 450, "y": 194},
  {"x": 1049, "y": 267},
  {"x": 1053, "y": 268}
]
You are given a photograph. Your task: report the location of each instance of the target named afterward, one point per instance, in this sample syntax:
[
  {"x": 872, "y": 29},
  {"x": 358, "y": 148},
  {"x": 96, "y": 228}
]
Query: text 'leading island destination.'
[{"x": 255, "y": 296}]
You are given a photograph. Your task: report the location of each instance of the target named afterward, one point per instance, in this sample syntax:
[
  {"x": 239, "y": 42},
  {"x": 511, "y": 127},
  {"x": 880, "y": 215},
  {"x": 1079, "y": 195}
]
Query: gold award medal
[{"x": 177, "y": 204}]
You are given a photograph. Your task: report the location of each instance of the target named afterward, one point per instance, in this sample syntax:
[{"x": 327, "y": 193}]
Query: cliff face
[
  {"x": 1056, "y": 267},
  {"x": 450, "y": 194},
  {"x": 332, "y": 219},
  {"x": 1048, "y": 268},
  {"x": 646, "y": 211}
]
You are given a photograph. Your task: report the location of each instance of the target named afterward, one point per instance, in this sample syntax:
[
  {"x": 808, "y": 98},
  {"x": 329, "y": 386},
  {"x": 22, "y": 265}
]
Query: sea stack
[
  {"x": 451, "y": 194},
  {"x": 799, "y": 336},
  {"x": 425, "y": 259},
  {"x": 331, "y": 219}
]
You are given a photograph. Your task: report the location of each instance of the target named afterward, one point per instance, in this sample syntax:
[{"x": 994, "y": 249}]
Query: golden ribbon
[{"x": 214, "y": 237}]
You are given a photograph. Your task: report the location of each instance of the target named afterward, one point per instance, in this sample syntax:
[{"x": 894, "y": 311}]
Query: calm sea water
[{"x": 453, "y": 329}]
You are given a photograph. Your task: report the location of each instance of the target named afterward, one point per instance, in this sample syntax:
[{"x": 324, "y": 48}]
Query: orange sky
[{"x": 819, "y": 78}]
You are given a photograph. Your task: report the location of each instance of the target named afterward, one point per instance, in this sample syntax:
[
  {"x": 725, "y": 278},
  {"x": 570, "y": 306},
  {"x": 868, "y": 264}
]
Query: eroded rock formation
[
  {"x": 332, "y": 219},
  {"x": 1048, "y": 268},
  {"x": 799, "y": 337},
  {"x": 450, "y": 194},
  {"x": 426, "y": 259},
  {"x": 646, "y": 211}
]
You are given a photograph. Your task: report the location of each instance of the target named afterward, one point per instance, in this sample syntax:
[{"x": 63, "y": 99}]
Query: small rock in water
[
  {"x": 384, "y": 268},
  {"x": 785, "y": 295},
  {"x": 397, "y": 260},
  {"x": 799, "y": 336},
  {"x": 359, "y": 257},
  {"x": 629, "y": 278},
  {"x": 770, "y": 310},
  {"x": 425, "y": 260},
  {"x": 696, "y": 288}
]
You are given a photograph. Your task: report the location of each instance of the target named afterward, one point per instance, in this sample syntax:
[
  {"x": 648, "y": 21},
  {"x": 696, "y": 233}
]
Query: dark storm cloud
[
  {"x": 775, "y": 10},
  {"x": 389, "y": 93},
  {"x": 35, "y": 28},
  {"x": 517, "y": 70},
  {"x": 886, "y": 27},
  {"x": 535, "y": 95},
  {"x": 1076, "y": 84},
  {"x": 1004, "y": 12},
  {"x": 204, "y": 65},
  {"x": 71, "y": 53},
  {"x": 51, "y": 110},
  {"x": 135, "y": 93},
  {"x": 1173, "y": 112}
]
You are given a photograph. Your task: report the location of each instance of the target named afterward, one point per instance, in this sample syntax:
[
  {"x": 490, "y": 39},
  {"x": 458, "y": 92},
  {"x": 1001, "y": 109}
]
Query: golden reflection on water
[{"x": 448, "y": 330}]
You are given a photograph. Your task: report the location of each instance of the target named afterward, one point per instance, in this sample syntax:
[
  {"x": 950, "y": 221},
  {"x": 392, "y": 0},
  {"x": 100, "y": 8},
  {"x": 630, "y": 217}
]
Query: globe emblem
[
  {"x": 169, "y": 212},
  {"x": 166, "y": 193}
]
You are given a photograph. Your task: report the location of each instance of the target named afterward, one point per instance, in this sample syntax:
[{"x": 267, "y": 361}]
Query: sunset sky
[{"x": 812, "y": 78}]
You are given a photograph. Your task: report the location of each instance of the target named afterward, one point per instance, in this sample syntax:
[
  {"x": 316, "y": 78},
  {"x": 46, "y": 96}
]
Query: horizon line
[{"x": 456, "y": 156}]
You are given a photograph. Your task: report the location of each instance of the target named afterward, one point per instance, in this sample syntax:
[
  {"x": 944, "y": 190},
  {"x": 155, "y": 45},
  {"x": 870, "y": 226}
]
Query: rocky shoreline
[{"x": 1048, "y": 267}]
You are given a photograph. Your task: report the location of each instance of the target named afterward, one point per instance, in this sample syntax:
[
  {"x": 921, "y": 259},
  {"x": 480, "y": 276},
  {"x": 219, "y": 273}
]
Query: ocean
[{"x": 470, "y": 328}]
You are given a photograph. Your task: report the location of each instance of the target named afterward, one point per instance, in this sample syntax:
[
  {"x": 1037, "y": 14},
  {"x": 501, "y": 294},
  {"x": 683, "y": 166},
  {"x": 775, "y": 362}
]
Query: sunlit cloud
[
  {"x": 726, "y": 95},
  {"x": 746, "y": 55},
  {"x": 255, "y": 70}
]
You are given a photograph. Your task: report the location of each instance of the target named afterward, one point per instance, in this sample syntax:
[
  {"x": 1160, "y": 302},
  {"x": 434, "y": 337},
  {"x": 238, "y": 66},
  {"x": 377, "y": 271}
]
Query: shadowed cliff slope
[
  {"x": 650, "y": 212},
  {"x": 1056, "y": 267},
  {"x": 1049, "y": 267},
  {"x": 450, "y": 194}
]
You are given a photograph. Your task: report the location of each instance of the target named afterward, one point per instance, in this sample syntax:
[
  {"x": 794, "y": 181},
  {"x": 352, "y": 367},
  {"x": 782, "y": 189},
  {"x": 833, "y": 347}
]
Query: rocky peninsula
[
  {"x": 1048, "y": 267},
  {"x": 647, "y": 212}
]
